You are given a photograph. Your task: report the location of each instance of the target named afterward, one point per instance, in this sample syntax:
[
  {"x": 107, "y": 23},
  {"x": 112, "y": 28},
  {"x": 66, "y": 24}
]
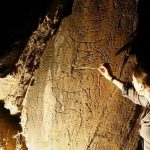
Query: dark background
[{"x": 18, "y": 19}]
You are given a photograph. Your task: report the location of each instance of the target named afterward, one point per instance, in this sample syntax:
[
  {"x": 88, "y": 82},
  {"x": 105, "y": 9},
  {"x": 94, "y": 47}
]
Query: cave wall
[
  {"x": 19, "y": 58},
  {"x": 64, "y": 101},
  {"x": 70, "y": 105}
]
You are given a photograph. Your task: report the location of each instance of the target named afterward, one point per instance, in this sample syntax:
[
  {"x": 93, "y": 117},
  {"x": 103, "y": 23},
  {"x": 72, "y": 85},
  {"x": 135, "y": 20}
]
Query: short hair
[{"x": 142, "y": 74}]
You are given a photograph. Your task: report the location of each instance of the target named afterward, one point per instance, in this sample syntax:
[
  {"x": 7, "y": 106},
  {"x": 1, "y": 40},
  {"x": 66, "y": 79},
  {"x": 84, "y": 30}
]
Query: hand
[{"x": 105, "y": 70}]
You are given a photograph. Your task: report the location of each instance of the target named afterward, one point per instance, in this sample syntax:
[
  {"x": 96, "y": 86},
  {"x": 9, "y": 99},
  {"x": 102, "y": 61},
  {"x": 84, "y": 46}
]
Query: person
[{"x": 138, "y": 92}]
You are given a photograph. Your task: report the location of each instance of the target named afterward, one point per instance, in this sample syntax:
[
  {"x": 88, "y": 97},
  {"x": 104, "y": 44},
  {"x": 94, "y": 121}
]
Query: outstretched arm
[
  {"x": 127, "y": 91},
  {"x": 105, "y": 70}
]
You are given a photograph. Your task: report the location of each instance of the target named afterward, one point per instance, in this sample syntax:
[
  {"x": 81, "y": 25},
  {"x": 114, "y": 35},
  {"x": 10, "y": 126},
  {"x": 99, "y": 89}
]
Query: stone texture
[
  {"x": 67, "y": 104},
  {"x": 71, "y": 106},
  {"x": 23, "y": 72}
]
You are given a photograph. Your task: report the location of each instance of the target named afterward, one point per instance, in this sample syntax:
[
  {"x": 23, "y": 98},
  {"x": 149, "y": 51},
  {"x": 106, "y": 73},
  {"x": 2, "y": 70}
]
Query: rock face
[
  {"x": 70, "y": 106},
  {"x": 67, "y": 104}
]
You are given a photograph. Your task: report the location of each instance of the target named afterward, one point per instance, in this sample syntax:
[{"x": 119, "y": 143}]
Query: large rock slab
[{"x": 70, "y": 105}]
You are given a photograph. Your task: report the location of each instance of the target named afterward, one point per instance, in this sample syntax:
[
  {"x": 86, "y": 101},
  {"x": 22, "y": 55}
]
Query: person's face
[{"x": 139, "y": 87}]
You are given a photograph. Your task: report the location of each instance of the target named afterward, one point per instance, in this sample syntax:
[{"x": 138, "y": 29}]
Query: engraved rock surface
[
  {"x": 71, "y": 106},
  {"x": 65, "y": 103}
]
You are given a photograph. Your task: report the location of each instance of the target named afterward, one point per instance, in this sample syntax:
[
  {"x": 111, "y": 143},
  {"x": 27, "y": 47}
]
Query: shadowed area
[
  {"x": 18, "y": 20},
  {"x": 140, "y": 43},
  {"x": 9, "y": 127},
  {"x": 19, "y": 23}
]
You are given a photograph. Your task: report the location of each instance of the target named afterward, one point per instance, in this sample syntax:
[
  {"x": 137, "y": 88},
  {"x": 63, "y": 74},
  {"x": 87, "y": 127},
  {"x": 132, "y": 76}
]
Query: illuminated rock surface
[{"x": 65, "y": 104}]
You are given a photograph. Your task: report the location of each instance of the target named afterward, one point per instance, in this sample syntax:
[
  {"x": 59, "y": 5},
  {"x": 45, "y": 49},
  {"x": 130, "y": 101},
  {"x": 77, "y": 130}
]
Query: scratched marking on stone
[
  {"x": 81, "y": 39},
  {"x": 82, "y": 68}
]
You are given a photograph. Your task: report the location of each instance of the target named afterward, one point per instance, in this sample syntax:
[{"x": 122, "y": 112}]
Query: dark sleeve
[{"x": 128, "y": 91}]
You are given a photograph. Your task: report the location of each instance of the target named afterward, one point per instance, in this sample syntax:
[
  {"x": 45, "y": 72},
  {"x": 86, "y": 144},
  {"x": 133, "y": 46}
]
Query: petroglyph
[{"x": 67, "y": 104}]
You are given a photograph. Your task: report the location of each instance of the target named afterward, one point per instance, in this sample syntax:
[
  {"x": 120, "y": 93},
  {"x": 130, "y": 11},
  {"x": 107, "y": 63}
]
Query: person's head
[{"x": 141, "y": 80}]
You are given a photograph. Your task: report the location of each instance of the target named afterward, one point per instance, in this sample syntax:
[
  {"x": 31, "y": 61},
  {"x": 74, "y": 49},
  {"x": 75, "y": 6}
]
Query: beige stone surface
[
  {"x": 39, "y": 108},
  {"x": 65, "y": 103},
  {"x": 71, "y": 106},
  {"x": 8, "y": 85}
]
